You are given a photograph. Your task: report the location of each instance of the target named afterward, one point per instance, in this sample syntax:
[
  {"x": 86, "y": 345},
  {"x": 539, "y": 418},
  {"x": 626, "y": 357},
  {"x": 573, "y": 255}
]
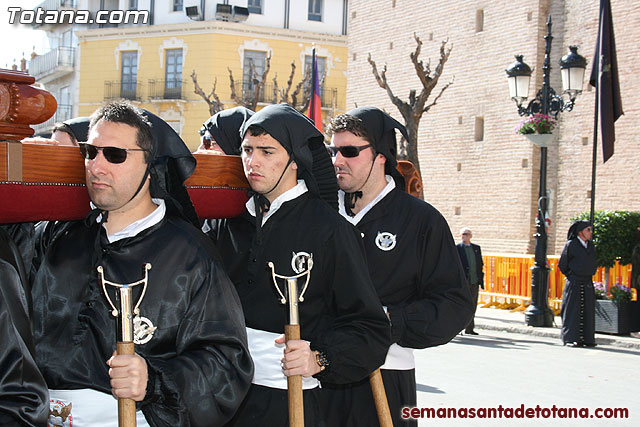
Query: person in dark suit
[{"x": 471, "y": 257}]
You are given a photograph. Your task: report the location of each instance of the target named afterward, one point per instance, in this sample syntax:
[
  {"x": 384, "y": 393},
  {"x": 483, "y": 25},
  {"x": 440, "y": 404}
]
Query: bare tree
[
  {"x": 298, "y": 98},
  {"x": 416, "y": 106},
  {"x": 212, "y": 99},
  {"x": 250, "y": 98}
]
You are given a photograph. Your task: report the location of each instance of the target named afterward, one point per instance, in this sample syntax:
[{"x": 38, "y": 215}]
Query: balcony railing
[
  {"x": 167, "y": 89},
  {"x": 64, "y": 112},
  {"x": 56, "y": 62},
  {"x": 117, "y": 89},
  {"x": 57, "y": 4},
  {"x": 53, "y": 5},
  {"x": 247, "y": 91}
]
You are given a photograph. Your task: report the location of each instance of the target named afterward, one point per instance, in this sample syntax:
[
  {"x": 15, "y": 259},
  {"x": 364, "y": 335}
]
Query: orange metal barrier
[{"x": 507, "y": 280}]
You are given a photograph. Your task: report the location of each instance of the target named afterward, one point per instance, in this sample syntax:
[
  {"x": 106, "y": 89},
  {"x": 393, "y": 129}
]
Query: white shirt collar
[
  {"x": 290, "y": 194},
  {"x": 582, "y": 241},
  {"x": 391, "y": 184},
  {"x": 136, "y": 227}
]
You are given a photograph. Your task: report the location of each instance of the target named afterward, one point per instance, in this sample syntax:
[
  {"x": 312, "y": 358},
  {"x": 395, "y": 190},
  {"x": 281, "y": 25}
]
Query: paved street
[{"x": 509, "y": 369}]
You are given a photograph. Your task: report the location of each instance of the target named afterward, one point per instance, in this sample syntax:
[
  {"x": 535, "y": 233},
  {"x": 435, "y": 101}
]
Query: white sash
[
  {"x": 266, "y": 355},
  {"x": 399, "y": 358},
  {"x": 89, "y": 408}
]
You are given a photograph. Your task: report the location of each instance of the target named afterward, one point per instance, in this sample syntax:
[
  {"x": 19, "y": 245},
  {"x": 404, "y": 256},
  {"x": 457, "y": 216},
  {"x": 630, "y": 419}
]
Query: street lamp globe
[
  {"x": 572, "y": 67},
  {"x": 519, "y": 75}
]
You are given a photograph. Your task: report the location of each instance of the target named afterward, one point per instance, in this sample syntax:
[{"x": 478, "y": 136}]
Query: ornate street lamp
[{"x": 546, "y": 102}]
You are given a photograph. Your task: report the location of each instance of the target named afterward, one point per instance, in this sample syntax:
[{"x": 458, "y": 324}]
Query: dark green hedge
[{"x": 614, "y": 235}]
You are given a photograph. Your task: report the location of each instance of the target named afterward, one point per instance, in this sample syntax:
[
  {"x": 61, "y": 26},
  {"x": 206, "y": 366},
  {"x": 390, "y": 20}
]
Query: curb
[{"x": 555, "y": 333}]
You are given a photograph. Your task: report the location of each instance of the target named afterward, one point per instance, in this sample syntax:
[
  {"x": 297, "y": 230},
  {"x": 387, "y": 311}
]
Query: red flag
[
  {"x": 604, "y": 77},
  {"x": 315, "y": 104}
]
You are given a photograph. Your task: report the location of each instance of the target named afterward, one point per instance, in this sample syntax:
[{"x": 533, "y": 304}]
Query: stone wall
[{"x": 492, "y": 184}]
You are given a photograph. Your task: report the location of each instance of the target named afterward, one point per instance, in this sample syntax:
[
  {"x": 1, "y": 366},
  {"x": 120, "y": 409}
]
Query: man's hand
[
  {"x": 298, "y": 358},
  {"x": 128, "y": 376}
]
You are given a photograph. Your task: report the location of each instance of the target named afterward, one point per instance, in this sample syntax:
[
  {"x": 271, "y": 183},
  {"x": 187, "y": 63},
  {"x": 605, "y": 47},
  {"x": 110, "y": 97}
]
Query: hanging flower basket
[
  {"x": 541, "y": 140},
  {"x": 538, "y": 129}
]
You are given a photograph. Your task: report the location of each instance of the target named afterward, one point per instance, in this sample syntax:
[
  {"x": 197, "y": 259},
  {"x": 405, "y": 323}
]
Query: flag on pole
[
  {"x": 604, "y": 77},
  {"x": 315, "y": 105}
]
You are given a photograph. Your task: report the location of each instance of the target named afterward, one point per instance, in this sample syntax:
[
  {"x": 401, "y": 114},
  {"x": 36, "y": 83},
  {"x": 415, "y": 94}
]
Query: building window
[
  {"x": 254, "y": 6},
  {"x": 173, "y": 74},
  {"x": 133, "y": 4},
  {"x": 177, "y": 5},
  {"x": 129, "y": 77},
  {"x": 479, "y": 129},
  {"x": 479, "y": 20},
  {"x": 252, "y": 69},
  {"x": 63, "y": 112},
  {"x": 315, "y": 10}
]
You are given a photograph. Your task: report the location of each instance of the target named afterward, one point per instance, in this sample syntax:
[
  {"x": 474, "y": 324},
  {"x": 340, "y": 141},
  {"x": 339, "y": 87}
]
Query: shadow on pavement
[{"x": 428, "y": 389}]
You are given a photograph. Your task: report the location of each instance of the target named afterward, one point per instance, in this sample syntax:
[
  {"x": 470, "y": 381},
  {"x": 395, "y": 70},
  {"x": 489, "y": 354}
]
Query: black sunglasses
[
  {"x": 346, "y": 150},
  {"x": 112, "y": 154}
]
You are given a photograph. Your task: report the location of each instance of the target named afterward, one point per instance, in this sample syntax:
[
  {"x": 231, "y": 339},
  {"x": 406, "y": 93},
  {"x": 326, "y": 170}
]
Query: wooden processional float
[{"x": 44, "y": 182}]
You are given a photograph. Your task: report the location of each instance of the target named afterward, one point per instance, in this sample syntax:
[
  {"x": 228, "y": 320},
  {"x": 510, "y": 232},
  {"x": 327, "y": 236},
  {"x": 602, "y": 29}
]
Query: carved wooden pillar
[{"x": 22, "y": 105}]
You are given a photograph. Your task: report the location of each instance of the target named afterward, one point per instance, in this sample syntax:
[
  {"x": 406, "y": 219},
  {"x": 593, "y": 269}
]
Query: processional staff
[
  {"x": 127, "y": 336},
  {"x": 292, "y": 332}
]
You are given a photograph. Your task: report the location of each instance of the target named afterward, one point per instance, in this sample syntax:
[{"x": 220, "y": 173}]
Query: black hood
[
  {"x": 304, "y": 143},
  {"x": 225, "y": 127},
  {"x": 80, "y": 128},
  {"x": 171, "y": 163},
  {"x": 380, "y": 129},
  {"x": 577, "y": 227}
]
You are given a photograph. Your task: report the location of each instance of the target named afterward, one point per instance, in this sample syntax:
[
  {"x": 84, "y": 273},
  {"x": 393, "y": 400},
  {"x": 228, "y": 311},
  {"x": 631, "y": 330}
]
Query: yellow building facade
[{"x": 152, "y": 66}]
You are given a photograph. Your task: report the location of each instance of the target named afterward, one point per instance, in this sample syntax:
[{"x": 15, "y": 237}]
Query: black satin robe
[
  {"x": 421, "y": 280},
  {"x": 24, "y": 399},
  {"x": 341, "y": 315},
  {"x": 199, "y": 365},
  {"x": 422, "y": 283},
  {"x": 578, "y": 309}
]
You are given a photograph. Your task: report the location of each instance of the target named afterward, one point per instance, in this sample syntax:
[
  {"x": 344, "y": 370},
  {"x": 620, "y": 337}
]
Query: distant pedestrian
[
  {"x": 578, "y": 264},
  {"x": 471, "y": 258}
]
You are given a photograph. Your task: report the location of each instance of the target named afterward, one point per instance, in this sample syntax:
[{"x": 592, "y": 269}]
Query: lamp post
[{"x": 546, "y": 102}]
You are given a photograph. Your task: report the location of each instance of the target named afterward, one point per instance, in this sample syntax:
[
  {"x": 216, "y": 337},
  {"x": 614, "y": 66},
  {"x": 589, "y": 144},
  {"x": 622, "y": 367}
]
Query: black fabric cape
[
  {"x": 199, "y": 365},
  {"x": 24, "y": 399},
  {"x": 420, "y": 281},
  {"x": 578, "y": 308},
  {"x": 341, "y": 315}
]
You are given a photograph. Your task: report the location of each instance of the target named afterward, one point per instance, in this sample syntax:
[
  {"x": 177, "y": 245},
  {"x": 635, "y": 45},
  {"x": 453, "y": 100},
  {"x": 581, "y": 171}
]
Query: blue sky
[{"x": 17, "y": 38}]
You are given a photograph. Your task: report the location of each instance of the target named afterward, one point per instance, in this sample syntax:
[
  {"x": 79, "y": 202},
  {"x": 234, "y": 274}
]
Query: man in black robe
[
  {"x": 413, "y": 261},
  {"x": 24, "y": 400},
  {"x": 344, "y": 332},
  {"x": 578, "y": 264},
  {"x": 191, "y": 365}
]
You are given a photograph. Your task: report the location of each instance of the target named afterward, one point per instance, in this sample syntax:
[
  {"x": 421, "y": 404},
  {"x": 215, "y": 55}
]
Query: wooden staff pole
[
  {"x": 294, "y": 382},
  {"x": 380, "y": 399},
  {"x": 126, "y": 407}
]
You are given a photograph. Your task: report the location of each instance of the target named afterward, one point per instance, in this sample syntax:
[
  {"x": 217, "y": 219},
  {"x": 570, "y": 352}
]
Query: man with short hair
[
  {"x": 471, "y": 258},
  {"x": 411, "y": 257},
  {"x": 191, "y": 366},
  {"x": 344, "y": 332}
]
